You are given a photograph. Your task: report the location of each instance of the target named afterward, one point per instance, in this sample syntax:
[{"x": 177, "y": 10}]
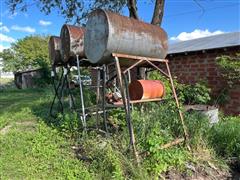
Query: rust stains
[{"x": 72, "y": 38}]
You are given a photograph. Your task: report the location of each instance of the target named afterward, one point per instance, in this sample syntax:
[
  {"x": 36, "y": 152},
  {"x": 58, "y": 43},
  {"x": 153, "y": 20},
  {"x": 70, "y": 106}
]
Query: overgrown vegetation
[
  {"x": 197, "y": 93},
  {"x": 48, "y": 148},
  {"x": 225, "y": 137},
  {"x": 230, "y": 68}
]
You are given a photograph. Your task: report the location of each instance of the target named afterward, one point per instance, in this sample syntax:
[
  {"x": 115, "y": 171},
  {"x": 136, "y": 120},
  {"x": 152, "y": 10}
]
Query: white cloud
[
  {"x": 3, "y": 47},
  {"x": 27, "y": 29},
  {"x": 4, "y": 29},
  {"x": 1, "y": 23},
  {"x": 197, "y": 33},
  {"x": 45, "y": 23},
  {"x": 4, "y": 38}
]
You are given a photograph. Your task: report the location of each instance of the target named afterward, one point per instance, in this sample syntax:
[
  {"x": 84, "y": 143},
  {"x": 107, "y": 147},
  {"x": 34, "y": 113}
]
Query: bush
[
  {"x": 225, "y": 137},
  {"x": 45, "y": 78},
  {"x": 230, "y": 68},
  {"x": 198, "y": 93},
  {"x": 159, "y": 124}
]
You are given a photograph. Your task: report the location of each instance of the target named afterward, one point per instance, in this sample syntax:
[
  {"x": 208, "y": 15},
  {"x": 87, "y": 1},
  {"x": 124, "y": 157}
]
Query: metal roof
[{"x": 210, "y": 42}]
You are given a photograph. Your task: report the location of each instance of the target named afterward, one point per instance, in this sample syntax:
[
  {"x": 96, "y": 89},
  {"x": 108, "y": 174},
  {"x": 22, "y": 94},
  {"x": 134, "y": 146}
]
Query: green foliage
[
  {"x": 38, "y": 153},
  {"x": 198, "y": 129},
  {"x": 30, "y": 52},
  {"x": 161, "y": 160},
  {"x": 43, "y": 148},
  {"x": 198, "y": 93},
  {"x": 230, "y": 68},
  {"x": 73, "y": 11},
  {"x": 225, "y": 137},
  {"x": 105, "y": 161},
  {"x": 68, "y": 124}
]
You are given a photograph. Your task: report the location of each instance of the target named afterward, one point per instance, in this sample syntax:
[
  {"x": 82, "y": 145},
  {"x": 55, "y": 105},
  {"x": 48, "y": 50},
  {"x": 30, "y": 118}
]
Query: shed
[{"x": 25, "y": 79}]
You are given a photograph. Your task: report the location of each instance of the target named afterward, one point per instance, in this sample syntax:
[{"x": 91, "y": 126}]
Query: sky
[{"x": 183, "y": 20}]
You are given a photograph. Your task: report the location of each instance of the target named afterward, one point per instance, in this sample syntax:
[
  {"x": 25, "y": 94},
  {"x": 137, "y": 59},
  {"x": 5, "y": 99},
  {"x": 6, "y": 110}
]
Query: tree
[
  {"x": 28, "y": 53},
  {"x": 77, "y": 10}
]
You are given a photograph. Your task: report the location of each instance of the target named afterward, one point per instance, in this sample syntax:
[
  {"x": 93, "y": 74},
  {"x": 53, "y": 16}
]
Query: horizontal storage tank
[
  {"x": 54, "y": 46},
  {"x": 146, "y": 89},
  {"x": 72, "y": 38},
  {"x": 108, "y": 32}
]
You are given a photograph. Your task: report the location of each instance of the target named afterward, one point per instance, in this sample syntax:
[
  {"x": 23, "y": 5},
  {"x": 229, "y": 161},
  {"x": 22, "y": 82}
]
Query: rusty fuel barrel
[
  {"x": 54, "y": 45},
  {"x": 72, "y": 38},
  {"x": 108, "y": 32},
  {"x": 146, "y": 89}
]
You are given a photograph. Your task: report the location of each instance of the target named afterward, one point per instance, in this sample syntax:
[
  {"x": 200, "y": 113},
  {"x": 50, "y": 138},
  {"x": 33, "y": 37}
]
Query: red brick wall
[{"x": 196, "y": 66}]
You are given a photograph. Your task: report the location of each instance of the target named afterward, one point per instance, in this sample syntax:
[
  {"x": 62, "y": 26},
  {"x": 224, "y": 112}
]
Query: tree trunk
[
  {"x": 156, "y": 20},
  {"x": 132, "y": 7},
  {"x": 158, "y": 12}
]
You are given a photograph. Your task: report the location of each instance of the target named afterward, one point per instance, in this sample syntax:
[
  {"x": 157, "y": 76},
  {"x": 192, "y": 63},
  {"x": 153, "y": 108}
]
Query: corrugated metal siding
[{"x": 211, "y": 42}]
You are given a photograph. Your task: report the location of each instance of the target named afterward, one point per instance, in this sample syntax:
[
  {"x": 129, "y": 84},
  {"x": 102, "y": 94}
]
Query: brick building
[{"x": 195, "y": 60}]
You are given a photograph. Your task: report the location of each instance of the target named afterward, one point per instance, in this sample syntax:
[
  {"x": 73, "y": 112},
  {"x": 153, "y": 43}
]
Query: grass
[
  {"x": 29, "y": 148},
  {"x": 35, "y": 146}
]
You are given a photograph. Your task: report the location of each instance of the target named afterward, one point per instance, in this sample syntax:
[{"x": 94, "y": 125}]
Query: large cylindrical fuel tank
[
  {"x": 146, "y": 89},
  {"x": 72, "y": 38},
  {"x": 54, "y": 45},
  {"x": 108, "y": 32}
]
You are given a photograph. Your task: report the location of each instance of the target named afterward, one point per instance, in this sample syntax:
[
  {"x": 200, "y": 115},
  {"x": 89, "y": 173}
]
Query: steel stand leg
[
  {"x": 186, "y": 136},
  {"x": 97, "y": 97},
  {"x": 83, "y": 117},
  {"x": 104, "y": 100},
  {"x": 127, "y": 109},
  {"x": 56, "y": 88}
]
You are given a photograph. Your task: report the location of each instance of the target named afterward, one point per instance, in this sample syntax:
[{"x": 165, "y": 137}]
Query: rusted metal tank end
[
  {"x": 72, "y": 38},
  {"x": 54, "y": 46},
  {"x": 146, "y": 89},
  {"x": 108, "y": 32}
]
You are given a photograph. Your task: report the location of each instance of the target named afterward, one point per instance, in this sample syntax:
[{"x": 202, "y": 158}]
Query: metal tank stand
[
  {"x": 83, "y": 115},
  {"x": 104, "y": 99},
  {"x": 56, "y": 87},
  {"x": 59, "y": 90},
  {"x": 142, "y": 61},
  {"x": 98, "y": 96}
]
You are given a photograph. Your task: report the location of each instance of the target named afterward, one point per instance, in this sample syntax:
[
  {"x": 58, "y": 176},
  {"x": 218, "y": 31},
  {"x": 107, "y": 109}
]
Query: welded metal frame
[
  {"x": 137, "y": 60},
  {"x": 83, "y": 116},
  {"x": 56, "y": 87},
  {"x": 100, "y": 83},
  {"x": 59, "y": 88}
]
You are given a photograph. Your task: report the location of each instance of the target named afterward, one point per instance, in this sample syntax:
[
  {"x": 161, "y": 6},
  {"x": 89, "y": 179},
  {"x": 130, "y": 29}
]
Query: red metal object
[
  {"x": 72, "y": 38},
  {"x": 146, "y": 89},
  {"x": 54, "y": 45}
]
